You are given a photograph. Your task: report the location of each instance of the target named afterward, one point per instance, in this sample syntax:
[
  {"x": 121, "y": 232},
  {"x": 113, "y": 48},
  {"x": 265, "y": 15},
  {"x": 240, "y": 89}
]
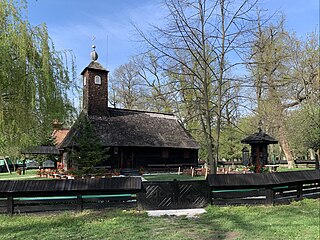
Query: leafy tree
[
  {"x": 88, "y": 151},
  {"x": 285, "y": 72},
  {"x": 35, "y": 80}
]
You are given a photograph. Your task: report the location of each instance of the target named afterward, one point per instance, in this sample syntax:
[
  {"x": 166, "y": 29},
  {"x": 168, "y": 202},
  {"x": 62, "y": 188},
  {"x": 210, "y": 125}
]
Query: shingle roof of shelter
[
  {"x": 259, "y": 137},
  {"x": 122, "y": 127},
  {"x": 40, "y": 150}
]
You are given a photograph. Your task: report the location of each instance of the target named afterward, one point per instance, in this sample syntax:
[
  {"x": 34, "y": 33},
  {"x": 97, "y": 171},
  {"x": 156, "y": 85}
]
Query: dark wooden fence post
[
  {"x": 79, "y": 203},
  {"x": 10, "y": 205},
  {"x": 299, "y": 191},
  {"x": 269, "y": 195},
  {"x": 175, "y": 193}
]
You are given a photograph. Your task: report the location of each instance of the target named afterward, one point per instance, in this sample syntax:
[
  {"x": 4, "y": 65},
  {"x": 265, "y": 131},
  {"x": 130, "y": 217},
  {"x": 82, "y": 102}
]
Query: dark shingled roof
[
  {"x": 94, "y": 65},
  {"x": 259, "y": 137},
  {"x": 40, "y": 150},
  {"x": 122, "y": 127}
]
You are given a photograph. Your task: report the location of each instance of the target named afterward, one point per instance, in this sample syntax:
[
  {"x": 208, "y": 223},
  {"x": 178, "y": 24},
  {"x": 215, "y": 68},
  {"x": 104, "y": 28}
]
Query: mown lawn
[
  {"x": 299, "y": 220},
  {"x": 31, "y": 174}
]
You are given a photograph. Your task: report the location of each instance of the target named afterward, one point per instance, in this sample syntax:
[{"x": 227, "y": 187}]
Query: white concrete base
[{"x": 179, "y": 212}]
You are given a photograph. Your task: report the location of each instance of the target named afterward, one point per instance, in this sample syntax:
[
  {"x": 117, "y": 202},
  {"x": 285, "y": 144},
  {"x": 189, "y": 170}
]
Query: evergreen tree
[{"x": 88, "y": 151}]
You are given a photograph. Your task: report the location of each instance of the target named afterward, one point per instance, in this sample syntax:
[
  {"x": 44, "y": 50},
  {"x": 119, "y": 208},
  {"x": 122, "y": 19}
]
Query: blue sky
[{"x": 72, "y": 23}]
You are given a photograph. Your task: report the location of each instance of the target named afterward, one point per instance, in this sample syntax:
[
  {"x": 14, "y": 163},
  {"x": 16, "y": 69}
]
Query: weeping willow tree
[{"x": 35, "y": 80}]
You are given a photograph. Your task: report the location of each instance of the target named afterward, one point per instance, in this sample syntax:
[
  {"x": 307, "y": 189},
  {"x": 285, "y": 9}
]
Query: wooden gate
[{"x": 174, "y": 195}]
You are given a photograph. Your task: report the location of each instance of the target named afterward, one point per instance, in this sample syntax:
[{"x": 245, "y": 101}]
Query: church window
[
  {"x": 84, "y": 81},
  {"x": 97, "y": 80}
]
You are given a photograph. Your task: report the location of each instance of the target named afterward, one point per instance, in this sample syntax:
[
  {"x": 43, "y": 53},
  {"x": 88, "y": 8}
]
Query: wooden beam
[
  {"x": 79, "y": 203},
  {"x": 10, "y": 205}
]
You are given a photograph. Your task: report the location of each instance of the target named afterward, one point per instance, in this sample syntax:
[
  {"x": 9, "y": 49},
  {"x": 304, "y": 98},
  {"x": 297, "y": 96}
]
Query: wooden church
[{"x": 134, "y": 139}]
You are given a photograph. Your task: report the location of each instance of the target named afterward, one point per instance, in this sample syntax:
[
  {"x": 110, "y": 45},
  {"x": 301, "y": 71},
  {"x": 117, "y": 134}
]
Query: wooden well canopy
[
  {"x": 259, "y": 142},
  {"x": 259, "y": 138}
]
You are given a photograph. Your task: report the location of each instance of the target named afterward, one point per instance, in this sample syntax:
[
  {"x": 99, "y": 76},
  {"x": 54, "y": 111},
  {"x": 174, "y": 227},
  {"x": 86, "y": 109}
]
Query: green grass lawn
[
  {"x": 284, "y": 169},
  {"x": 30, "y": 175},
  {"x": 299, "y": 220}
]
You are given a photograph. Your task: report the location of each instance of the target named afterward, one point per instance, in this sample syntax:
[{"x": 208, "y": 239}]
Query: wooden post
[
  {"x": 10, "y": 205},
  {"x": 269, "y": 195},
  {"x": 317, "y": 160},
  {"x": 192, "y": 172},
  {"x": 7, "y": 165},
  {"x": 24, "y": 167},
  {"x": 299, "y": 191},
  {"x": 79, "y": 203},
  {"x": 179, "y": 170},
  {"x": 175, "y": 197},
  {"x": 206, "y": 174}
]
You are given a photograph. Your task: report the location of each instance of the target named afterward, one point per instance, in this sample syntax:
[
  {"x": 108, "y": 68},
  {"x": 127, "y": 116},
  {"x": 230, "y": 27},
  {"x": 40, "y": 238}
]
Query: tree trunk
[
  {"x": 312, "y": 154},
  {"x": 317, "y": 159},
  {"x": 283, "y": 140}
]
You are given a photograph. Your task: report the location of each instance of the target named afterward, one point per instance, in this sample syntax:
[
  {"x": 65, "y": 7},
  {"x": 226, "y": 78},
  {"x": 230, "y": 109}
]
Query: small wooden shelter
[{"x": 259, "y": 142}]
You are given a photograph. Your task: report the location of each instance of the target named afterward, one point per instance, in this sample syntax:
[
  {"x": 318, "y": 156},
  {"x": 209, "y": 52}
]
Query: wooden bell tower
[{"x": 95, "y": 87}]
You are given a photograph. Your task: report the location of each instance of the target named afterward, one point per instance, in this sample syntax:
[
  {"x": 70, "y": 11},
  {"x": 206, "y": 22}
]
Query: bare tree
[
  {"x": 127, "y": 87},
  {"x": 158, "y": 96},
  {"x": 195, "y": 49}
]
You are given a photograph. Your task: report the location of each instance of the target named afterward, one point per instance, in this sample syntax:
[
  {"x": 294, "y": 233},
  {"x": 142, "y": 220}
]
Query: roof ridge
[{"x": 142, "y": 111}]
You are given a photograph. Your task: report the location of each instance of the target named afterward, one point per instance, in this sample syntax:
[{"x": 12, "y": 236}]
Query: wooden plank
[
  {"x": 299, "y": 192},
  {"x": 235, "y": 194},
  {"x": 310, "y": 186},
  {"x": 310, "y": 191},
  {"x": 103, "y": 184},
  {"x": 44, "y": 208},
  {"x": 10, "y": 205},
  {"x": 108, "y": 199},
  {"x": 3, "y": 203},
  {"x": 45, "y": 201},
  {"x": 238, "y": 201},
  {"x": 287, "y": 194},
  {"x": 125, "y": 205},
  {"x": 3, "y": 210},
  {"x": 263, "y": 179},
  {"x": 269, "y": 196},
  {"x": 79, "y": 203},
  {"x": 314, "y": 195}
]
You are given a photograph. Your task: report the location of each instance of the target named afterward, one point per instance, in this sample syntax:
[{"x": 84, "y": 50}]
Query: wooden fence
[
  {"x": 264, "y": 188},
  {"x": 219, "y": 189},
  {"x": 78, "y": 194}
]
